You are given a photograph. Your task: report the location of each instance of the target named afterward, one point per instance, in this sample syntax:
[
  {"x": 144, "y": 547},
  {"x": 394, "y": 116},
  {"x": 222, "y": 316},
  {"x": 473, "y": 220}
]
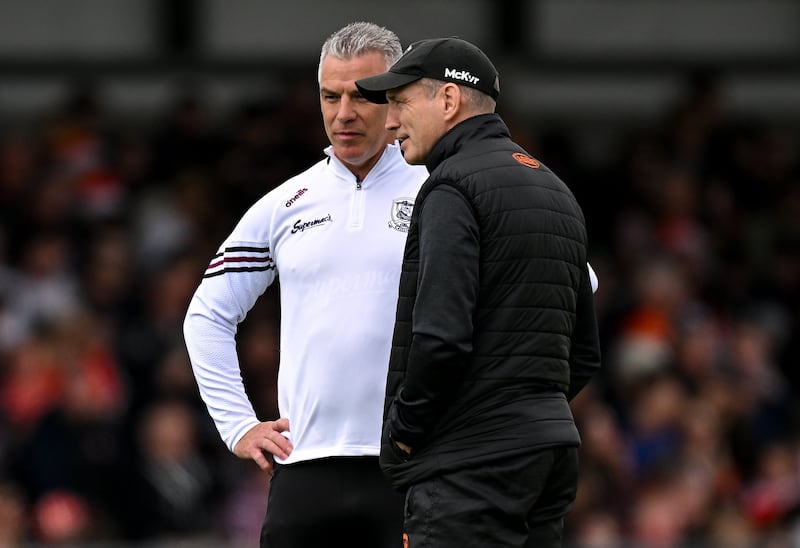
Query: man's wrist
[{"x": 403, "y": 447}]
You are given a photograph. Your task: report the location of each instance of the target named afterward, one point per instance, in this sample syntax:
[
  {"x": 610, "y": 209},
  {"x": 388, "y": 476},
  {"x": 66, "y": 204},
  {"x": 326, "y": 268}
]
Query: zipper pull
[{"x": 358, "y": 182}]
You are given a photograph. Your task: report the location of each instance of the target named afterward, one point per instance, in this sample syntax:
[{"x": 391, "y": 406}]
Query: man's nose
[
  {"x": 346, "y": 109},
  {"x": 392, "y": 122}
]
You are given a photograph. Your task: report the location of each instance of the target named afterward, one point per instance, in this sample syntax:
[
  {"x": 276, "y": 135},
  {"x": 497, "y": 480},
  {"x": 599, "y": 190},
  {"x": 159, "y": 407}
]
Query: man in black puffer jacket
[{"x": 496, "y": 329}]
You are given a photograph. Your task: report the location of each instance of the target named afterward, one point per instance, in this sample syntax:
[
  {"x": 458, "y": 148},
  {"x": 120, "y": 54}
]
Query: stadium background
[{"x": 133, "y": 135}]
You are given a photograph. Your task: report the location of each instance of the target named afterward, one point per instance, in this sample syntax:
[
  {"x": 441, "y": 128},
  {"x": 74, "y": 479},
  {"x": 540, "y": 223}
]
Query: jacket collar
[{"x": 483, "y": 126}]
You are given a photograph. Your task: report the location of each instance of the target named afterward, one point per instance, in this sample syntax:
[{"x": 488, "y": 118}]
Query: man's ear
[{"x": 451, "y": 96}]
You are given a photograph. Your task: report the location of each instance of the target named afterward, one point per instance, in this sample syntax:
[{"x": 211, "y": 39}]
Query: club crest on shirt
[{"x": 401, "y": 213}]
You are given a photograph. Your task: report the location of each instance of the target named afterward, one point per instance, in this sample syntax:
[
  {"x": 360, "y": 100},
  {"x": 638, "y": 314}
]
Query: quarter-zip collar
[{"x": 389, "y": 159}]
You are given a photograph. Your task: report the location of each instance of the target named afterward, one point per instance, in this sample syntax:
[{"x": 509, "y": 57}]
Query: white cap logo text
[{"x": 461, "y": 75}]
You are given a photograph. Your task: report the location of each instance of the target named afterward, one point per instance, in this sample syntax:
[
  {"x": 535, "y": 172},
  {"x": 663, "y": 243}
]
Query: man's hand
[
  {"x": 263, "y": 441},
  {"x": 403, "y": 447}
]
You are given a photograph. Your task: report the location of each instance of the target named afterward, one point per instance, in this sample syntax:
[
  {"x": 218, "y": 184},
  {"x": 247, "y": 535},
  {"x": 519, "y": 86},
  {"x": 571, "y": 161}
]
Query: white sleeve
[
  {"x": 235, "y": 278},
  {"x": 593, "y": 278}
]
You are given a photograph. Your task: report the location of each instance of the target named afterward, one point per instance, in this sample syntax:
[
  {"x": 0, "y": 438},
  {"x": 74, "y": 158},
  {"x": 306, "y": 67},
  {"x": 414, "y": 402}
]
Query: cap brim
[{"x": 374, "y": 88}]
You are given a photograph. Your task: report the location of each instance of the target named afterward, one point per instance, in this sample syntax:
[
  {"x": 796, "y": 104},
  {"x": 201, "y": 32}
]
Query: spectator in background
[
  {"x": 73, "y": 444},
  {"x": 334, "y": 237},
  {"x": 14, "y": 522},
  {"x": 170, "y": 486}
]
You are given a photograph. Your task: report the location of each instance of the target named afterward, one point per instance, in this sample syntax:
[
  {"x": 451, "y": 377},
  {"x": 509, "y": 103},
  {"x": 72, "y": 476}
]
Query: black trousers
[
  {"x": 340, "y": 501},
  {"x": 517, "y": 502}
]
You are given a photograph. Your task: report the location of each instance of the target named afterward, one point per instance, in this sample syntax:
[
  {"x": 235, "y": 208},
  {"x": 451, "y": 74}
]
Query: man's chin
[
  {"x": 410, "y": 158},
  {"x": 350, "y": 155}
]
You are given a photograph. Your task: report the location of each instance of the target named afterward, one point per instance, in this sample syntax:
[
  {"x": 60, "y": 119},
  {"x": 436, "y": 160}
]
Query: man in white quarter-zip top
[{"x": 334, "y": 237}]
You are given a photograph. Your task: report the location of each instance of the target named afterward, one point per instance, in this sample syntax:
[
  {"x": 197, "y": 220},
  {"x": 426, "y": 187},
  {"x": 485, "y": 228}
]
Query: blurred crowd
[{"x": 690, "y": 434}]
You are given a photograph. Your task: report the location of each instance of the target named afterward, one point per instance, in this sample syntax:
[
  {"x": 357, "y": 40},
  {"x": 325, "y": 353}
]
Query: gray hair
[
  {"x": 475, "y": 100},
  {"x": 358, "y": 39}
]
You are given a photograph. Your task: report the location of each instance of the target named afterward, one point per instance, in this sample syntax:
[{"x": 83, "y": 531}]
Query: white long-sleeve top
[{"x": 337, "y": 245}]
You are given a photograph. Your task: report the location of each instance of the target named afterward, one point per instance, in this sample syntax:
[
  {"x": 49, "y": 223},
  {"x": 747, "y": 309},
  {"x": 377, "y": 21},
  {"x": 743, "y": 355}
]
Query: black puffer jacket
[{"x": 496, "y": 327}]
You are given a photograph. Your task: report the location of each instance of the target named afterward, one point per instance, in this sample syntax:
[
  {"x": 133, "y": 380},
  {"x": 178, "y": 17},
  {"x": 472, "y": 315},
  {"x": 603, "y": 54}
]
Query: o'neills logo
[
  {"x": 401, "y": 213},
  {"x": 461, "y": 75},
  {"x": 294, "y": 198},
  {"x": 300, "y": 225}
]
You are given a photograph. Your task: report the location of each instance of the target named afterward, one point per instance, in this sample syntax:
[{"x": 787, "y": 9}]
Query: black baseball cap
[{"x": 447, "y": 59}]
